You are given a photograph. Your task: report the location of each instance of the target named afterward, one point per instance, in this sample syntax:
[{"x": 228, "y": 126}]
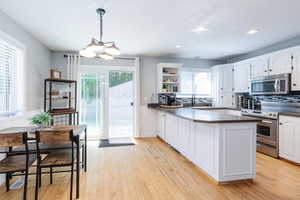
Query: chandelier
[{"x": 98, "y": 48}]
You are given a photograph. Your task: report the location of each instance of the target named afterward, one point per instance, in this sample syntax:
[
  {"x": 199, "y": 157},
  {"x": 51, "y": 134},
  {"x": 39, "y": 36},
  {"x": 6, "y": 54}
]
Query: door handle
[
  {"x": 276, "y": 85},
  {"x": 266, "y": 121}
]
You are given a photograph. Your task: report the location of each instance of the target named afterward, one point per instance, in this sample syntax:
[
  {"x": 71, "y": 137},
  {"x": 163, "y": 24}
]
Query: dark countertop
[{"x": 206, "y": 116}]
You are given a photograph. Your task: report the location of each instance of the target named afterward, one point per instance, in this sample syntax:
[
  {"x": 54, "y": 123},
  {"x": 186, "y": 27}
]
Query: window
[
  {"x": 9, "y": 60},
  {"x": 196, "y": 82}
]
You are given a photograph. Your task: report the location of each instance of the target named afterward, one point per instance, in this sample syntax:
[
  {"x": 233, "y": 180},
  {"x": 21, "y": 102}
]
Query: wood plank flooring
[{"x": 151, "y": 170}]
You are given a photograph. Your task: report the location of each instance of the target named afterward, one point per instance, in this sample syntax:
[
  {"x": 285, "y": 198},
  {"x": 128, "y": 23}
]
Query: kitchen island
[{"x": 222, "y": 145}]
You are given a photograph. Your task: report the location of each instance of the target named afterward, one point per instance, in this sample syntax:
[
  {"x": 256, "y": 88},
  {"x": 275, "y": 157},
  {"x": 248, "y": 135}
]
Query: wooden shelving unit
[{"x": 60, "y": 101}]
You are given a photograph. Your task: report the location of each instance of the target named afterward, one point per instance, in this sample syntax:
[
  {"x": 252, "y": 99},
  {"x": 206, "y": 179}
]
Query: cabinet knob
[
  {"x": 280, "y": 123},
  {"x": 294, "y": 84},
  {"x": 266, "y": 71},
  {"x": 221, "y": 88},
  {"x": 270, "y": 70}
]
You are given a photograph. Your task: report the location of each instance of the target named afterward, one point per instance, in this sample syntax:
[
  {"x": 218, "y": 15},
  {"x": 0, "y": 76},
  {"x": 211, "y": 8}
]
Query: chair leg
[
  {"x": 25, "y": 185},
  {"x": 37, "y": 184},
  {"x": 51, "y": 175},
  {"x": 7, "y": 177},
  {"x": 71, "y": 189},
  {"x": 40, "y": 177}
]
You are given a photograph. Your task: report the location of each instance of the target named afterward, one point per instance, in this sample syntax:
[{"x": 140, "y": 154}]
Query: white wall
[
  {"x": 37, "y": 65},
  {"x": 37, "y": 61}
]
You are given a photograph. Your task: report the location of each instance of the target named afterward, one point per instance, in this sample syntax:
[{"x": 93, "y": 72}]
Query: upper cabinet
[
  {"x": 227, "y": 78},
  {"x": 259, "y": 66},
  {"x": 168, "y": 78},
  {"x": 280, "y": 62},
  {"x": 295, "y": 82},
  {"x": 223, "y": 85},
  {"x": 241, "y": 77}
]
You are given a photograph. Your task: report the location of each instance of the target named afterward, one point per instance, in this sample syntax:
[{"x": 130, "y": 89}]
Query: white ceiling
[{"x": 155, "y": 27}]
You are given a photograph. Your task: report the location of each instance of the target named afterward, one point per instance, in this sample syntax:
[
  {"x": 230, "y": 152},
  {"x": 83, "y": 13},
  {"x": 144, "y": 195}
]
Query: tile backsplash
[{"x": 187, "y": 100}]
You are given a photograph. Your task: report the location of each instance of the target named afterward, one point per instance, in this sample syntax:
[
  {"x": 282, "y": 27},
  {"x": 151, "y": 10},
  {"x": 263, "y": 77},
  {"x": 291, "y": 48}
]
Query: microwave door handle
[
  {"x": 278, "y": 85},
  {"x": 275, "y": 85}
]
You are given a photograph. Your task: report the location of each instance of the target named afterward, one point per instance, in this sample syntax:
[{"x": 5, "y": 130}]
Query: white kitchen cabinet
[
  {"x": 227, "y": 100},
  {"x": 289, "y": 138},
  {"x": 226, "y": 152},
  {"x": 171, "y": 130},
  {"x": 227, "y": 78},
  {"x": 280, "y": 62},
  {"x": 162, "y": 125},
  {"x": 223, "y": 85},
  {"x": 259, "y": 66},
  {"x": 241, "y": 77},
  {"x": 295, "y": 84}
]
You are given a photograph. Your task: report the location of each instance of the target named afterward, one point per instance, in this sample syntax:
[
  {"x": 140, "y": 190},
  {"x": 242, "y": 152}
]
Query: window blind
[
  {"x": 196, "y": 82},
  {"x": 8, "y": 70}
]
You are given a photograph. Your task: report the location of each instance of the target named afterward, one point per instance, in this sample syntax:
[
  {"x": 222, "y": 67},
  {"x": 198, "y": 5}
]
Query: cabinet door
[
  {"x": 259, "y": 67},
  {"x": 168, "y": 128},
  {"x": 215, "y": 77},
  {"x": 162, "y": 125},
  {"x": 227, "y": 100},
  {"x": 289, "y": 139},
  {"x": 295, "y": 85},
  {"x": 227, "y": 80},
  {"x": 241, "y": 78},
  {"x": 280, "y": 62}
]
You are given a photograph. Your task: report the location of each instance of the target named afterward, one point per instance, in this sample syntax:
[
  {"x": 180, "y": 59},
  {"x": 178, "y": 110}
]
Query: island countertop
[{"x": 205, "y": 115}]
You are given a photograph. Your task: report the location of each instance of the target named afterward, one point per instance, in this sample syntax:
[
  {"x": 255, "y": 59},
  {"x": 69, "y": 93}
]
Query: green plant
[{"x": 42, "y": 119}]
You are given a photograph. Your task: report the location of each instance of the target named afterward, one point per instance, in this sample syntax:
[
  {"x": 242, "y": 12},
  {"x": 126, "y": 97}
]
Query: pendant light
[{"x": 100, "y": 49}]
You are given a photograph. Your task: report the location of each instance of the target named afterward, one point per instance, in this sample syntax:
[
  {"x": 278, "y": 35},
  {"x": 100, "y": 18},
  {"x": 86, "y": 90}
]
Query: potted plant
[{"x": 41, "y": 120}]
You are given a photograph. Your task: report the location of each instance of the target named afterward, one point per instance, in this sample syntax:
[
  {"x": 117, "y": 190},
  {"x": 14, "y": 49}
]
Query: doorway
[
  {"x": 107, "y": 102},
  {"x": 121, "y": 98}
]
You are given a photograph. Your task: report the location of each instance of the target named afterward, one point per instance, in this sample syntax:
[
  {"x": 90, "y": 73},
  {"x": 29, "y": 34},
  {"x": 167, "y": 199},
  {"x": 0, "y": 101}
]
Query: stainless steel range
[{"x": 267, "y": 131}]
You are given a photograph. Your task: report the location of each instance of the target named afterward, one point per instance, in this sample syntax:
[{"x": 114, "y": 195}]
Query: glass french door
[
  {"x": 107, "y": 103},
  {"x": 93, "y": 103}
]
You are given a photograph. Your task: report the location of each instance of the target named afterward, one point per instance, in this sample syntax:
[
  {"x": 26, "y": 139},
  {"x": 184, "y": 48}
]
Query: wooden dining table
[{"x": 79, "y": 134}]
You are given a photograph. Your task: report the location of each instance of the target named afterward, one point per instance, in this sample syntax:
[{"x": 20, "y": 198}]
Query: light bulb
[{"x": 113, "y": 50}]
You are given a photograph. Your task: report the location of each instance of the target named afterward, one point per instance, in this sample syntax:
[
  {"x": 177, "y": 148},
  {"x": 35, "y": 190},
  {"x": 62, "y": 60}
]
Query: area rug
[{"x": 116, "y": 142}]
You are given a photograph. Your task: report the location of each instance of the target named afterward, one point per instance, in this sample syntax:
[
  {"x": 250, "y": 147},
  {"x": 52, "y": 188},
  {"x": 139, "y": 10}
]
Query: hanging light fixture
[{"x": 100, "y": 49}]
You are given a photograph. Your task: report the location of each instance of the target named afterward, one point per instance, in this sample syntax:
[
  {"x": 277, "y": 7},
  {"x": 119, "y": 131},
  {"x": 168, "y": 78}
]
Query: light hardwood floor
[{"x": 151, "y": 170}]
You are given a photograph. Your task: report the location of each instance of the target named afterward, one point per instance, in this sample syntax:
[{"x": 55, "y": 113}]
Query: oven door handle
[{"x": 267, "y": 121}]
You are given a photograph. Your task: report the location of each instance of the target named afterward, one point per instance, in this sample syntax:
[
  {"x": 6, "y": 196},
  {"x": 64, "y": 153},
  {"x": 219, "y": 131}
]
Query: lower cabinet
[
  {"x": 162, "y": 125},
  {"x": 289, "y": 138},
  {"x": 226, "y": 152}
]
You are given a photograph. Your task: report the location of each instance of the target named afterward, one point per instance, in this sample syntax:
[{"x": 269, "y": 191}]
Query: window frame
[{"x": 20, "y": 84}]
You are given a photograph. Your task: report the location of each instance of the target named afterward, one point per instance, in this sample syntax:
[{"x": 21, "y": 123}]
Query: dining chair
[
  {"x": 13, "y": 163},
  {"x": 55, "y": 158}
]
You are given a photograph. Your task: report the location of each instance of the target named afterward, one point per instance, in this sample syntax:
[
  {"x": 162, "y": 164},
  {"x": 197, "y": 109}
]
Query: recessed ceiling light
[
  {"x": 252, "y": 31},
  {"x": 200, "y": 29},
  {"x": 178, "y": 46}
]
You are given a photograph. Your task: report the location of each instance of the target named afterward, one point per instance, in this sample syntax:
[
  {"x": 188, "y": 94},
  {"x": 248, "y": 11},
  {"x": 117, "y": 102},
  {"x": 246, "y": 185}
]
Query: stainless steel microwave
[{"x": 273, "y": 84}]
